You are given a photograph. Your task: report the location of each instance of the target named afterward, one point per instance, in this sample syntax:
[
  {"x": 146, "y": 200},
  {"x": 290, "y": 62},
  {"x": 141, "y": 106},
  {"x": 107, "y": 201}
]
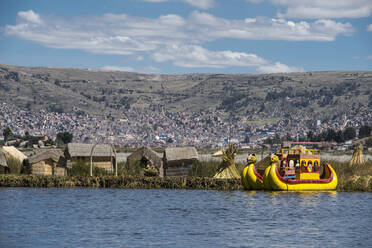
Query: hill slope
[{"x": 261, "y": 98}]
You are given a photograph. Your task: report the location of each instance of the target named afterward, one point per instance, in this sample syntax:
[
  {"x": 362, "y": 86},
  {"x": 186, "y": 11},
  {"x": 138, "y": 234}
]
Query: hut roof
[
  {"x": 13, "y": 152},
  {"x": 148, "y": 153},
  {"x": 83, "y": 150},
  {"x": 181, "y": 153},
  {"x": 3, "y": 159},
  {"x": 53, "y": 154}
]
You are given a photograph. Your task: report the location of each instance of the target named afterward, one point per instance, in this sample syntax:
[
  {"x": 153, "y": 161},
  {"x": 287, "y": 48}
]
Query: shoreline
[
  {"x": 352, "y": 184},
  {"x": 124, "y": 182}
]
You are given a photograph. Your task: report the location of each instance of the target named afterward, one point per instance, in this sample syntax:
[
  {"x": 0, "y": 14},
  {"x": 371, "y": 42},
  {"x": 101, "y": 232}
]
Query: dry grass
[
  {"x": 353, "y": 178},
  {"x": 14, "y": 165}
]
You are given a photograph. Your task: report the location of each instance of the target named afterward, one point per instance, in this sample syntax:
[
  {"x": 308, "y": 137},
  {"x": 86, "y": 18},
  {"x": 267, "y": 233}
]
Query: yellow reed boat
[
  {"x": 294, "y": 169},
  {"x": 251, "y": 178}
]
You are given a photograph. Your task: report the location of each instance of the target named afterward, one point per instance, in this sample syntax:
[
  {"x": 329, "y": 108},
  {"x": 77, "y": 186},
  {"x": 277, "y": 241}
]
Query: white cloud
[
  {"x": 369, "y": 57},
  {"x": 121, "y": 34},
  {"x": 369, "y": 28},
  {"x": 147, "y": 69},
  {"x": 151, "y": 69},
  {"x": 262, "y": 28},
  {"x": 29, "y": 16},
  {"x": 355, "y": 57},
  {"x": 278, "y": 67},
  {"x": 202, "y": 4},
  {"x": 193, "y": 56},
  {"x": 117, "y": 68},
  {"x": 324, "y": 8}
]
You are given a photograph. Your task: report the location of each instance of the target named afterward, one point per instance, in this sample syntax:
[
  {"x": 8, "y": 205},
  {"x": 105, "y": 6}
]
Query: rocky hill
[{"x": 261, "y": 98}]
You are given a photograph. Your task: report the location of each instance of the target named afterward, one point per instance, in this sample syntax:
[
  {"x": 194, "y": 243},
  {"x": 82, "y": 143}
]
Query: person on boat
[
  {"x": 283, "y": 164},
  {"x": 298, "y": 166},
  {"x": 303, "y": 166},
  {"x": 310, "y": 166},
  {"x": 316, "y": 166}
]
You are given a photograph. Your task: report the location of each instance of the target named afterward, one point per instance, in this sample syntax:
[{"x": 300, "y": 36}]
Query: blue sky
[{"x": 188, "y": 36}]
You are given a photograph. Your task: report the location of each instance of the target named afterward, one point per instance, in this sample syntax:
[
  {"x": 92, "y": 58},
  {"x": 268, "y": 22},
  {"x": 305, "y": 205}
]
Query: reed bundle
[{"x": 357, "y": 157}]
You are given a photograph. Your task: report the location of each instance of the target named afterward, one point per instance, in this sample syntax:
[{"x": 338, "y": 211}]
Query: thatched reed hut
[
  {"x": 11, "y": 151},
  {"x": 3, "y": 159},
  {"x": 178, "y": 161},
  {"x": 102, "y": 157},
  {"x": 13, "y": 159},
  {"x": 48, "y": 162},
  {"x": 147, "y": 157}
]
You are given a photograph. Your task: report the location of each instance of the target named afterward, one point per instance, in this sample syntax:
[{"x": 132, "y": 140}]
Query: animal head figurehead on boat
[
  {"x": 274, "y": 159},
  {"x": 251, "y": 158}
]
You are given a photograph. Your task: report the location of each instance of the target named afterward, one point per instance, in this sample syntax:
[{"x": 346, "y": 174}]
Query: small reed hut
[
  {"x": 102, "y": 157},
  {"x": 147, "y": 158},
  {"x": 47, "y": 162},
  {"x": 14, "y": 160},
  {"x": 11, "y": 151},
  {"x": 178, "y": 161}
]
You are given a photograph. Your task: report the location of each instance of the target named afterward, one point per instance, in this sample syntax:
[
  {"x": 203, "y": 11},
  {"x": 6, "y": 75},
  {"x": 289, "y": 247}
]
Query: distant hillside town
[{"x": 206, "y": 129}]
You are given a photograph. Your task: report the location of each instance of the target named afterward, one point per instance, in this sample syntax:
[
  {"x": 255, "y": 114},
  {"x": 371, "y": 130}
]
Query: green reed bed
[{"x": 83, "y": 169}]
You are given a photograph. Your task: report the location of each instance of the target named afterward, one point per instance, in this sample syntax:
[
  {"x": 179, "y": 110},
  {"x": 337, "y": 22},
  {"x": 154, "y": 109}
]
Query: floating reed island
[
  {"x": 203, "y": 175},
  {"x": 124, "y": 182},
  {"x": 357, "y": 177},
  {"x": 346, "y": 182}
]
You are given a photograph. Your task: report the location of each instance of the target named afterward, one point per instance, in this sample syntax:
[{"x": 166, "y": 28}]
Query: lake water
[{"x": 34, "y": 217}]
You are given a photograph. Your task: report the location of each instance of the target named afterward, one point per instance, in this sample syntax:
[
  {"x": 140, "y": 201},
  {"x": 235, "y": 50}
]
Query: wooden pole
[
  {"x": 91, "y": 159},
  {"x": 116, "y": 160}
]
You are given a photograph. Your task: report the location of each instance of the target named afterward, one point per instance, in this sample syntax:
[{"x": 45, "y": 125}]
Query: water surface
[{"x": 34, "y": 217}]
